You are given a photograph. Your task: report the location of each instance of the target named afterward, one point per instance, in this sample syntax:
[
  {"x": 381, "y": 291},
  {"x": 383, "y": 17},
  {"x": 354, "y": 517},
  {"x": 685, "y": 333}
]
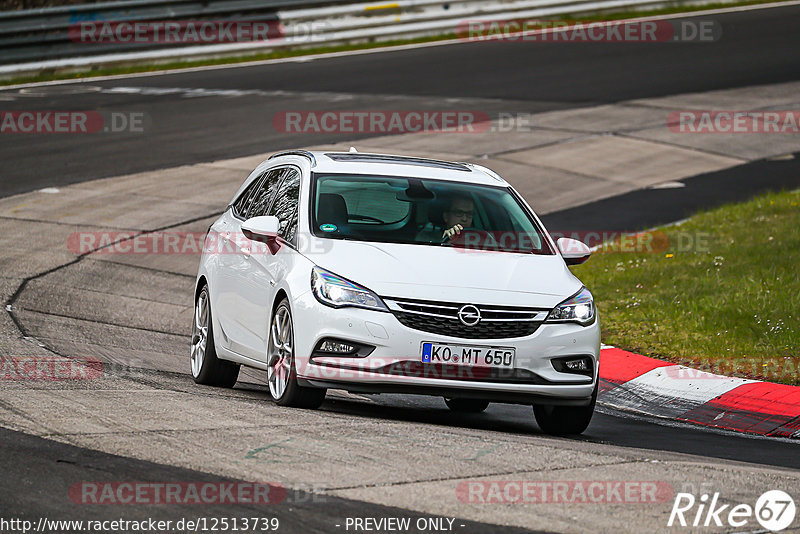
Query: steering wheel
[{"x": 472, "y": 238}]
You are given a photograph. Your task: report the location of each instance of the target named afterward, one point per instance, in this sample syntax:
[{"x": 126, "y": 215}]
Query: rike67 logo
[{"x": 774, "y": 510}]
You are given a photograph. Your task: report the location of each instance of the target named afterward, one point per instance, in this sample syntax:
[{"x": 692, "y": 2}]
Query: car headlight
[
  {"x": 579, "y": 308},
  {"x": 335, "y": 291}
]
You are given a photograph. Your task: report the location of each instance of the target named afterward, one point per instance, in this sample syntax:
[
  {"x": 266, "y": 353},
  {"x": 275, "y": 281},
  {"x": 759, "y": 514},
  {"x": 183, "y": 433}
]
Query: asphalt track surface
[
  {"x": 38, "y": 472},
  {"x": 608, "y": 427},
  {"x": 47, "y": 470},
  {"x": 764, "y": 49},
  {"x": 756, "y": 47},
  {"x": 648, "y": 208}
]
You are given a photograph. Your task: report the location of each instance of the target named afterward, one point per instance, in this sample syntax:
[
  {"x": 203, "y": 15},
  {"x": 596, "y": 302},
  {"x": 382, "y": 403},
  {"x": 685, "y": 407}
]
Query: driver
[
  {"x": 458, "y": 216},
  {"x": 455, "y": 218}
]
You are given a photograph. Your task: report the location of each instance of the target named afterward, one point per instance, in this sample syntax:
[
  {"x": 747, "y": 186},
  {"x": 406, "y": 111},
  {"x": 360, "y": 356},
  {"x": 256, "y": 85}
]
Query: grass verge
[
  {"x": 719, "y": 292},
  {"x": 95, "y": 71}
]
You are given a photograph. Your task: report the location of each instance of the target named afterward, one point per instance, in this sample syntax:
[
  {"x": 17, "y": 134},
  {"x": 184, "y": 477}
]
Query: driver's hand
[{"x": 450, "y": 232}]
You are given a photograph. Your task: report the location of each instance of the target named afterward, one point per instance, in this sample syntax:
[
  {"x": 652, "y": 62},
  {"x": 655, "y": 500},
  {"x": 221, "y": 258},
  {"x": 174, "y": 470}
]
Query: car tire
[
  {"x": 206, "y": 368},
  {"x": 466, "y": 405},
  {"x": 564, "y": 420},
  {"x": 282, "y": 374}
]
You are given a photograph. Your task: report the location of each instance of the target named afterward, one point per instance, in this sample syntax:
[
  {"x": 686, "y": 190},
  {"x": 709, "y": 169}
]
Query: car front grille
[{"x": 497, "y": 322}]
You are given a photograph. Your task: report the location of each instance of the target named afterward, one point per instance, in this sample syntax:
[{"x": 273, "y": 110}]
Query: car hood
[{"x": 449, "y": 274}]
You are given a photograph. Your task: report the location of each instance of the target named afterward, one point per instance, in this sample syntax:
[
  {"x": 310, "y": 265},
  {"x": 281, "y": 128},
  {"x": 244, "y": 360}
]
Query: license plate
[{"x": 470, "y": 355}]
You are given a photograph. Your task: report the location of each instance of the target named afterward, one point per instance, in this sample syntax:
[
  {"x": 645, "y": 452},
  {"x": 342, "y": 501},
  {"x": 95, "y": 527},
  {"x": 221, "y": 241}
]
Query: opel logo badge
[{"x": 469, "y": 315}]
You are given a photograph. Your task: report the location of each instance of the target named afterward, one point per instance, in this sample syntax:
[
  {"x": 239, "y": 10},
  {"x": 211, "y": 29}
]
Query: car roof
[{"x": 327, "y": 161}]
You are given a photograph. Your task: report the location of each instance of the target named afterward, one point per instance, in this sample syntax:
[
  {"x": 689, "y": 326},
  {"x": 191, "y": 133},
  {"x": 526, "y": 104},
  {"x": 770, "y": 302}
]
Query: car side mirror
[
  {"x": 263, "y": 229},
  {"x": 573, "y": 251}
]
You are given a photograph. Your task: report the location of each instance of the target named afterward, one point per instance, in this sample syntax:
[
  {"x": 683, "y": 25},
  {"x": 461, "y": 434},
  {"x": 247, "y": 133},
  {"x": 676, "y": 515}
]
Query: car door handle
[{"x": 246, "y": 252}]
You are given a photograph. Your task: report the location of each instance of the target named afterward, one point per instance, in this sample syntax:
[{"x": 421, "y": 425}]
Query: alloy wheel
[
  {"x": 280, "y": 352},
  {"x": 199, "y": 333}
]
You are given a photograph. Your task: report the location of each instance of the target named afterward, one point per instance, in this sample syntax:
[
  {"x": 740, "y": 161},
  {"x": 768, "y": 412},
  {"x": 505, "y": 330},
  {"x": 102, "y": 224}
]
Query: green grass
[
  {"x": 95, "y": 71},
  {"x": 729, "y": 303}
]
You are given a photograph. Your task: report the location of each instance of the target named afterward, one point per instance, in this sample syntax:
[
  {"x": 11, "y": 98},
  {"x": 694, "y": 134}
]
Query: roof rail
[
  {"x": 488, "y": 171},
  {"x": 304, "y": 153},
  {"x": 398, "y": 160}
]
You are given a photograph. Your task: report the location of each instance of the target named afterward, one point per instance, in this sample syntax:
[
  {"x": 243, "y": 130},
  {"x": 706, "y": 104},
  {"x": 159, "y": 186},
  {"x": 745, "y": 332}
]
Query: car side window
[
  {"x": 285, "y": 205},
  {"x": 265, "y": 193},
  {"x": 291, "y": 230},
  {"x": 243, "y": 202}
]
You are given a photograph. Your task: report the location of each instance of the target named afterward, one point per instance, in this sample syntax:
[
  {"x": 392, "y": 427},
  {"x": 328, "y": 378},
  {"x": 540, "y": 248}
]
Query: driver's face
[{"x": 460, "y": 212}]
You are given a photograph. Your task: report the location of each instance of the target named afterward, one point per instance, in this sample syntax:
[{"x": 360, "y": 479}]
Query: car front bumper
[{"x": 394, "y": 365}]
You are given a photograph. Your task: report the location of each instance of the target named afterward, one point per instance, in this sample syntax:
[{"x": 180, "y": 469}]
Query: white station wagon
[{"x": 389, "y": 274}]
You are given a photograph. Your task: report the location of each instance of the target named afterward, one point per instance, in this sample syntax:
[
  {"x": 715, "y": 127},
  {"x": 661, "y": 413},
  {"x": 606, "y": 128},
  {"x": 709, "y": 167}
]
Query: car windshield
[{"x": 421, "y": 211}]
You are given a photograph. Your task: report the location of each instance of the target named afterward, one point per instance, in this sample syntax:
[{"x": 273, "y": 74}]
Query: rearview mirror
[
  {"x": 263, "y": 229},
  {"x": 573, "y": 251},
  {"x": 416, "y": 191}
]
